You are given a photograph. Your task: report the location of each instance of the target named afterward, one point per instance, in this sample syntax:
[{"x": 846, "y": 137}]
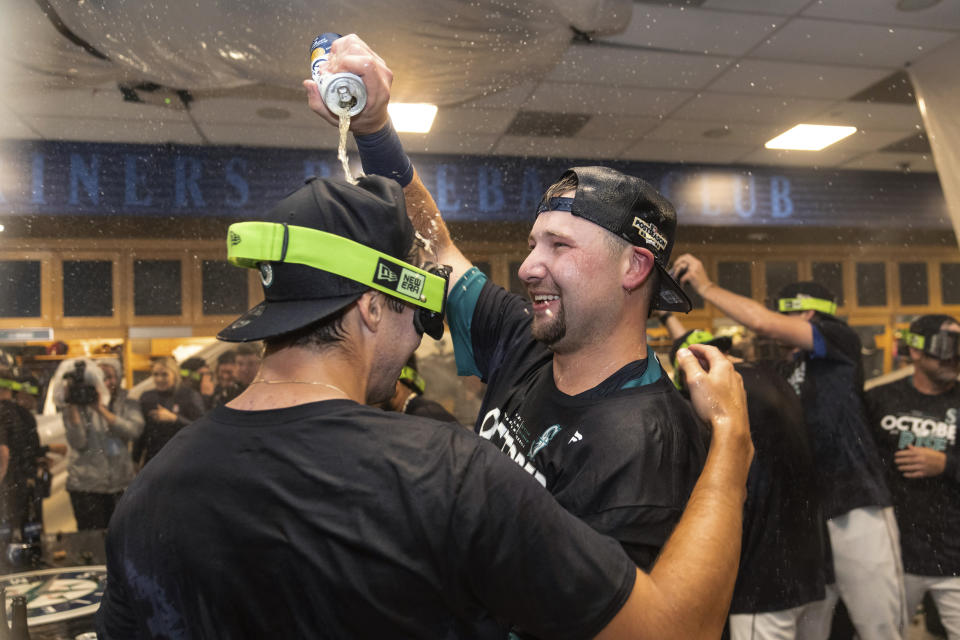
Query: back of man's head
[{"x": 371, "y": 213}]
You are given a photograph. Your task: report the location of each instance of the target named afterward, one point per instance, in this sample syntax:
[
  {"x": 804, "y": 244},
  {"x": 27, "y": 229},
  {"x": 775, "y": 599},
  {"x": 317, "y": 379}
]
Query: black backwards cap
[
  {"x": 633, "y": 210},
  {"x": 372, "y": 213}
]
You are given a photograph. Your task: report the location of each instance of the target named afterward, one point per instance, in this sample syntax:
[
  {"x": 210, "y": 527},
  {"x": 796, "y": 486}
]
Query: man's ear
[
  {"x": 371, "y": 308},
  {"x": 639, "y": 267}
]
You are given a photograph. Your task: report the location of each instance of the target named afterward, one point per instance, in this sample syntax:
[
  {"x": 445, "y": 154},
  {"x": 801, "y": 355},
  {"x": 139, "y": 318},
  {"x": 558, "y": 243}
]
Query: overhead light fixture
[
  {"x": 810, "y": 137},
  {"x": 412, "y": 118},
  {"x": 916, "y": 5}
]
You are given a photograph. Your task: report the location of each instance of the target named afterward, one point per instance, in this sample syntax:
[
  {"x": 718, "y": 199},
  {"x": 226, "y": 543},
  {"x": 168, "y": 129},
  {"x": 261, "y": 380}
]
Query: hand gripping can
[{"x": 342, "y": 92}]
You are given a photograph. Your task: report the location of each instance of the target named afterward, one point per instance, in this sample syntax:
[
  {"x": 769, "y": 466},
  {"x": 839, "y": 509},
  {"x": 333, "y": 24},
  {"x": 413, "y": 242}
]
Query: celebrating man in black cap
[
  {"x": 826, "y": 371},
  {"x": 915, "y": 422},
  {"x": 298, "y": 511},
  {"x": 574, "y": 394}
]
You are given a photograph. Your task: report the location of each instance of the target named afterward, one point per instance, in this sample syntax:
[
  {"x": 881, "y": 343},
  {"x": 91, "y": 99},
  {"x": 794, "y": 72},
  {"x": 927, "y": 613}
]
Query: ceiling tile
[
  {"x": 689, "y": 152},
  {"x": 611, "y": 127},
  {"x": 472, "y": 120},
  {"x": 625, "y": 67},
  {"x": 829, "y": 157},
  {"x": 509, "y": 98},
  {"x": 828, "y": 42},
  {"x": 566, "y": 148},
  {"x": 695, "y": 30},
  {"x": 942, "y": 16},
  {"x": 114, "y": 130},
  {"x": 779, "y": 7},
  {"x": 729, "y": 108},
  {"x": 12, "y": 127},
  {"x": 97, "y": 103},
  {"x": 598, "y": 99},
  {"x": 871, "y": 116},
  {"x": 693, "y": 130},
  {"x": 921, "y": 163},
  {"x": 766, "y": 77},
  {"x": 864, "y": 140},
  {"x": 245, "y": 111}
]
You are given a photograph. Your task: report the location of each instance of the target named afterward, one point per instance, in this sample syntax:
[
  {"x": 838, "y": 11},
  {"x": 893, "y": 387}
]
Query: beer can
[{"x": 341, "y": 92}]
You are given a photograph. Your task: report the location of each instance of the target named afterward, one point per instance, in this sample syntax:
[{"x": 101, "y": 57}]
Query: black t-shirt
[
  {"x": 927, "y": 509},
  {"x": 20, "y": 434},
  {"x": 783, "y": 561},
  {"x": 829, "y": 380},
  {"x": 338, "y": 520},
  {"x": 183, "y": 401},
  {"x": 426, "y": 408},
  {"x": 623, "y": 457}
]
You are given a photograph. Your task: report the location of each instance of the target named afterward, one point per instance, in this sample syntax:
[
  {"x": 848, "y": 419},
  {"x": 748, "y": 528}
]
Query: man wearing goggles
[
  {"x": 826, "y": 371},
  {"x": 914, "y": 420}
]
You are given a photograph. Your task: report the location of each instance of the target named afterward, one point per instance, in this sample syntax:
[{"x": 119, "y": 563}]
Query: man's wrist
[
  {"x": 702, "y": 289},
  {"x": 382, "y": 154}
]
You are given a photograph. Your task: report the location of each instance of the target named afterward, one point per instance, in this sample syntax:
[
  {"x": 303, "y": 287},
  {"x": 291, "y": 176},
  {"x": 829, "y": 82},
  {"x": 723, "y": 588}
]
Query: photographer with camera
[{"x": 101, "y": 422}]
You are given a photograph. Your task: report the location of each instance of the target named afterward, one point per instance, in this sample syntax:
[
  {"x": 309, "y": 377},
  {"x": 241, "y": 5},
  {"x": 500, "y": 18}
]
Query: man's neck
[
  {"x": 929, "y": 387},
  {"x": 584, "y": 369}
]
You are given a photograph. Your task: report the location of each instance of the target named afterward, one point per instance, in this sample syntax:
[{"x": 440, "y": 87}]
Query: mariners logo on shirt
[{"x": 544, "y": 439}]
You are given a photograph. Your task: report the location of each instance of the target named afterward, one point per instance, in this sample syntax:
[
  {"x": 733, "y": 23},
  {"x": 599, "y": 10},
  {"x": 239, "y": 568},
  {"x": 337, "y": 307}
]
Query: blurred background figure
[
  {"x": 914, "y": 421},
  {"x": 408, "y": 397},
  {"x": 99, "y": 434},
  {"x": 248, "y": 362},
  {"x": 166, "y": 408},
  {"x": 196, "y": 374},
  {"x": 227, "y": 387},
  {"x": 20, "y": 517},
  {"x": 784, "y": 557}
]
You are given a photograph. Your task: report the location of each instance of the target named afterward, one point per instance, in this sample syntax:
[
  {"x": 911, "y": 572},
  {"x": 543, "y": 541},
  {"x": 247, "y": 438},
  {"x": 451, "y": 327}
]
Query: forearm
[
  {"x": 75, "y": 428},
  {"x": 128, "y": 426},
  {"x": 745, "y": 311},
  {"x": 4, "y": 460},
  {"x": 427, "y": 220}
]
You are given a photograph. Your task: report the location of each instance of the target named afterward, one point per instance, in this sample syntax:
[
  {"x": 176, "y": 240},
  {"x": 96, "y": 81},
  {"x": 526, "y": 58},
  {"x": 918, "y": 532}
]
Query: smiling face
[
  {"x": 162, "y": 377},
  {"x": 572, "y": 276}
]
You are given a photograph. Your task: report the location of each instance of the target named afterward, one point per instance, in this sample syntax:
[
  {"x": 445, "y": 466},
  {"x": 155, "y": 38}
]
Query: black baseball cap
[
  {"x": 371, "y": 212},
  {"x": 633, "y": 210}
]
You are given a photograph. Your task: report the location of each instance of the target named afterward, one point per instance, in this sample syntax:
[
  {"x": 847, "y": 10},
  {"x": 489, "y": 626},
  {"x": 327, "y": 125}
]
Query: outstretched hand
[
  {"x": 353, "y": 55},
  {"x": 716, "y": 391}
]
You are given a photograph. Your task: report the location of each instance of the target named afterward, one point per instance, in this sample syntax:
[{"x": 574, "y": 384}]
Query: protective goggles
[
  {"x": 251, "y": 243},
  {"x": 13, "y": 385},
  {"x": 196, "y": 376},
  {"x": 410, "y": 377},
  {"x": 804, "y": 303},
  {"x": 943, "y": 345}
]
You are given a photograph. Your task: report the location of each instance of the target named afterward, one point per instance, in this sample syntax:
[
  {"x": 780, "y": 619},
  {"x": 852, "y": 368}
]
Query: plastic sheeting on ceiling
[{"x": 442, "y": 51}]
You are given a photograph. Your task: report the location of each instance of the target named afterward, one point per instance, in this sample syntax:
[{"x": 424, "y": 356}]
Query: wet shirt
[
  {"x": 829, "y": 381},
  {"x": 783, "y": 561},
  {"x": 338, "y": 520},
  {"x": 927, "y": 509},
  {"x": 623, "y": 457}
]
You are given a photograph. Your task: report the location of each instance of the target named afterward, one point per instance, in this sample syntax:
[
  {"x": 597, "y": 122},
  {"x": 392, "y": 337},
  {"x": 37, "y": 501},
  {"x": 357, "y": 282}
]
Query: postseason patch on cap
[
  {"x": 650, "y": 233},
  {"x": 396, "y": 278}
]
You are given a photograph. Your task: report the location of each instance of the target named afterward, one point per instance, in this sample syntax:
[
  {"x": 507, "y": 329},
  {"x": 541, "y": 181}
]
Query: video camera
[{"x": 80, "y": 391}]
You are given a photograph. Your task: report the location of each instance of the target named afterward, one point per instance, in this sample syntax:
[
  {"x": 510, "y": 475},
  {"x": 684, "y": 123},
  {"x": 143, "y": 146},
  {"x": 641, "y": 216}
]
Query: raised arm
[
  {"x": 381, "y": 152},
  {"x": 688, "y": 591},
  {"x": 792, "y": 330}
]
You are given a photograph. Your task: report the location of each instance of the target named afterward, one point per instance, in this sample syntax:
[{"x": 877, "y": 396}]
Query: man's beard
[{"x": 550, "y": 329}]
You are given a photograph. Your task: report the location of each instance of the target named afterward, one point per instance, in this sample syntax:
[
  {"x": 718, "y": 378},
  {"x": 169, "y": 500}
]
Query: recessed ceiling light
[
  {"x": 273, "y": 113},
  {"x": 412, "y": 118},
  {"x": 916, "y": 5},
  {"x": 810, "y": 137}
]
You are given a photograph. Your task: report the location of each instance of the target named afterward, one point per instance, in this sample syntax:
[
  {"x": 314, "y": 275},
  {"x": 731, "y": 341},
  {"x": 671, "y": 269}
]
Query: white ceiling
[{"x": 752, "y": 68}]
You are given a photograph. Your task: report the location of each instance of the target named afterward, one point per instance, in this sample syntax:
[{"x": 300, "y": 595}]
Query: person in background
[
  {"x": 26, "y": 456},
  {"x": 784, "y": 556},
  {"x": 826, "y": 372},
  {"x": 248, "y": 361},
  {"x": 100, "y": 434},
  {"x": 226, "y": 375},
  {"x": 196, "y": 374},
  {"x": 914, "y": 421},
  {"x": 408, "y": 397},
  {"x": 166, "y": 408}
]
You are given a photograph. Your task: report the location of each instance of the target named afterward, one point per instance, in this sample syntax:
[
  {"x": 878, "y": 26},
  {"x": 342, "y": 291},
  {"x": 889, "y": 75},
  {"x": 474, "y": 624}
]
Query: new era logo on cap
[{"x": 399, "y": 279}]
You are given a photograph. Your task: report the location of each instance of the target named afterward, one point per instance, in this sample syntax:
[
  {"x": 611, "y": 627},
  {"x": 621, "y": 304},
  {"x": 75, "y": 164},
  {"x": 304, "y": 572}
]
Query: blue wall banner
[{"x": 98, "y": 179}]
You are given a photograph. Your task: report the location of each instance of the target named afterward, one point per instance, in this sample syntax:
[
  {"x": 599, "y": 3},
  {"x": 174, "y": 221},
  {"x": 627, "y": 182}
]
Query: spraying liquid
[{"x": 342, "y": 147}]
